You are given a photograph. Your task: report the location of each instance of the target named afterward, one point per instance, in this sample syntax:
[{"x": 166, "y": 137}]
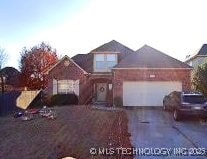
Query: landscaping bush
[
  {"x": 172, "y": 101},
  {"x": 63, "y": 99},
  {"x": 118, "y": 102},
  {"x": 199, "y": 79}
]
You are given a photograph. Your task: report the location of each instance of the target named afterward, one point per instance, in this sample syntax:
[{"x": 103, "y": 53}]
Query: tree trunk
[{"x": 2, "y": 84}]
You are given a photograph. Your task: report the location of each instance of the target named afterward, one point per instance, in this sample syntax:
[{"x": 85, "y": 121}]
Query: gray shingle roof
[
  {"x": 148, "y": 57},
  {"x": 113, "y": 46},
  {"x": 85, "y": 61},
  {"x": 12, "y": 75},
  {"x": 203, "y": 50}
]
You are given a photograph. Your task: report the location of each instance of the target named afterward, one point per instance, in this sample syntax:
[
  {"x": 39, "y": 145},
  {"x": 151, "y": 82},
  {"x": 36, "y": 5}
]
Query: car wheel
[{"x": 176, "y": 115}]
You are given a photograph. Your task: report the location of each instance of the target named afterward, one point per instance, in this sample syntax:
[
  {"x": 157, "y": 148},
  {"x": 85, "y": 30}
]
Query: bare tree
[{"x": 3, "y": 57}]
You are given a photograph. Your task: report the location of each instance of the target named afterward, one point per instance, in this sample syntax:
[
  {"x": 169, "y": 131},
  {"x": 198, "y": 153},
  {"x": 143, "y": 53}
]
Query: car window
[{"x": 194, "y": 99}]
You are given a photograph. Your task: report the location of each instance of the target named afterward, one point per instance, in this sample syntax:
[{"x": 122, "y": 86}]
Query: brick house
[{"x": 139, "y": 78}]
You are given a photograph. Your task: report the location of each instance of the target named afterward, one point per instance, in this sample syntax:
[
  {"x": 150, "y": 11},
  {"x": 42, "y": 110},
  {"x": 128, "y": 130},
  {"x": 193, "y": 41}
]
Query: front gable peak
[{"x": 66, "y": 60}]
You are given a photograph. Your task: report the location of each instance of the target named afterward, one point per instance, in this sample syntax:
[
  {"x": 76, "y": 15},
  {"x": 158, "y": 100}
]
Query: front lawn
[{"x": 73, "y": 133}]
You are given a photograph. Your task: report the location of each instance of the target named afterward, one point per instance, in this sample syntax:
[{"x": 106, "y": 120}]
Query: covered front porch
[{"x": 102, "y": 91}]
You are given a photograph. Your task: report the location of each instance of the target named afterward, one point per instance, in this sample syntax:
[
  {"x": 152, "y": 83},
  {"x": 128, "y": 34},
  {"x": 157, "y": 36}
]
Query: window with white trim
[
  {"x": 104, "y": 62},
  {"x": 66, "y": 87}
]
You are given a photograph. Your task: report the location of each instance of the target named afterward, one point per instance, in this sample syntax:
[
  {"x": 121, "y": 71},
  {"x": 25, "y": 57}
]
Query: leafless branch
[{"x": 3, "y": 57}]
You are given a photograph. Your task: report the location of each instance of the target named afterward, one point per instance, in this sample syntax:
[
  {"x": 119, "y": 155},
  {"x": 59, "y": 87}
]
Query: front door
[{"x": 101, "y": 91}]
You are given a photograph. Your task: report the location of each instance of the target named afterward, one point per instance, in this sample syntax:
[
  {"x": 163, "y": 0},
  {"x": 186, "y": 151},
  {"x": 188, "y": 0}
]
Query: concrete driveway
[{"x": 156, "y": 135}]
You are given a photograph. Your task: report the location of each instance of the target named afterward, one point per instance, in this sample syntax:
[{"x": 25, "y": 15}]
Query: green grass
[{"x": 73, "y": 133}]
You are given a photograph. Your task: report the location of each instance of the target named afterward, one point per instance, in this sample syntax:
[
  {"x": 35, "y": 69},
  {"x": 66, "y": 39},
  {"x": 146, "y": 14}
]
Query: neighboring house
[
  {"x": 140, "y": 78},
  {"x": 198, "y": 58},
  {"x": 12, "y": 78}
]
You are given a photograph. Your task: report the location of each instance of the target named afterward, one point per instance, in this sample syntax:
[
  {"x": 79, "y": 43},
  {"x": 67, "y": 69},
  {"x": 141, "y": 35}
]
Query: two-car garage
[{"x": 148, "y": 93}]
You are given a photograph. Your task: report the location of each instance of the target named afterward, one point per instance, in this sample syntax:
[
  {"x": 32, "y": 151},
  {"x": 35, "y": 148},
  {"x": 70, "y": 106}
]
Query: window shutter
[
  {"x": 76, "y": 87},
  {"x": 54, "y": 87}
]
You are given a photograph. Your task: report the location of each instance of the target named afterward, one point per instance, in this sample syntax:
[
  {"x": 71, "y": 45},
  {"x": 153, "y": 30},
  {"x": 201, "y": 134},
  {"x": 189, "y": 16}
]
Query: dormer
[{"x": 108, "y": 55}]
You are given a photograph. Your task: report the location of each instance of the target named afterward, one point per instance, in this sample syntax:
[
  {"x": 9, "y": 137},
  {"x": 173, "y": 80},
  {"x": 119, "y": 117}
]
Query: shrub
[
  {"x": 118, "y": 101},
  {"x": 63, "y": 99},
  {"x": 200, "y": 79},
  {"x": 176, "y": 100}
]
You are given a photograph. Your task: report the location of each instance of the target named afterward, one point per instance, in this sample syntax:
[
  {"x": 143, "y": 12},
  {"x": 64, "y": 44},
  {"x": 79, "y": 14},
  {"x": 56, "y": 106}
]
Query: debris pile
[{"x": 29, "y": 114}]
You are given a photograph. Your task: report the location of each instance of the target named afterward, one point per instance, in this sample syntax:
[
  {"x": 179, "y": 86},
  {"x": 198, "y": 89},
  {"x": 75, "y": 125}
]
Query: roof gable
[
  {"x": 201, "y": 53},
  {"x": 203, "y": 50},
  {"x": 113, "y": 46},
  {"x": 61, "y": 60},
  {"x": 148, "y": 57},
  {"x": 85, "y": 61}
]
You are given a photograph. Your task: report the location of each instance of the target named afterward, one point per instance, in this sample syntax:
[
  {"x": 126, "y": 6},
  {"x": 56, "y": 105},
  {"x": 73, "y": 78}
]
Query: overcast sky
[{"x": 175, "y": 27}]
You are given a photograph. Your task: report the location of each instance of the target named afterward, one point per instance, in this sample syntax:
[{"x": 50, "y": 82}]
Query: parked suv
[{"x": 185, "y": 103}]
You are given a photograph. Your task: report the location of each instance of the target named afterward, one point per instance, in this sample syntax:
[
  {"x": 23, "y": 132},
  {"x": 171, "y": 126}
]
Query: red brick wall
[
  {"x": 144, "y": 75},
  {"x": 71, "y": 72},
  {"x": 101, "y": 78}
]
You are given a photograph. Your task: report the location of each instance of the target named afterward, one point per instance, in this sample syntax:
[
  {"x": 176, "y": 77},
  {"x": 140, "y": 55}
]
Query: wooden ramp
[{"x": 25, "y": 98}]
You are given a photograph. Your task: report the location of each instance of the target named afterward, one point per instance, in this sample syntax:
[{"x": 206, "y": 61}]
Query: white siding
[{"x": 197, "y": 61}]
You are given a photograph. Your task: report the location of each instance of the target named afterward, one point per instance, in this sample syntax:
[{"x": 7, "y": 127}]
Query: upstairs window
[
  {"x": 111, "y": 60},
  {"x": 104, "y": 62},
  {"x": 100, "y": 62}
]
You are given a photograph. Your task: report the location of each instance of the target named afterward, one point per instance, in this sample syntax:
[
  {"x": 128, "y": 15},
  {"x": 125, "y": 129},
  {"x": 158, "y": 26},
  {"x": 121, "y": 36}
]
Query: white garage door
[{"x": 147, "y": 93}]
